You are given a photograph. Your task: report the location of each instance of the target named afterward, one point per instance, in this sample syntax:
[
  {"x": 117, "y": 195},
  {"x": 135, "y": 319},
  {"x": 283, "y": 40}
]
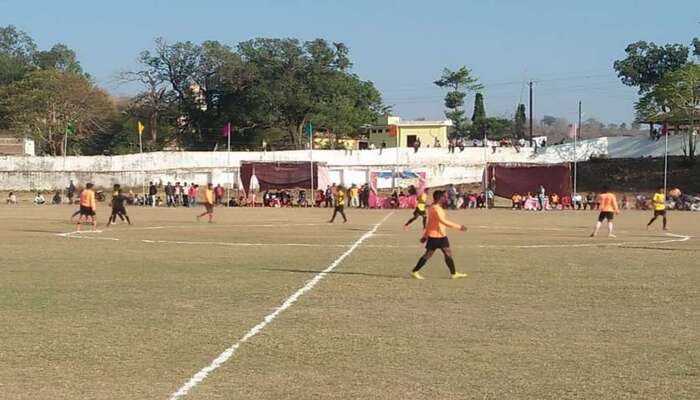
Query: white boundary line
[
  {"x": 678, "y": 238},
  {"x": 200, "y": 376},
  {"x": 242, "y": 244},
  {"x": 78, "y": 235}
]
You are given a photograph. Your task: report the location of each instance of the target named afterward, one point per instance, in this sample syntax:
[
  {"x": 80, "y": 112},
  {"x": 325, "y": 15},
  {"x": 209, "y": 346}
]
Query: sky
[{"x": 566, "y": 47}]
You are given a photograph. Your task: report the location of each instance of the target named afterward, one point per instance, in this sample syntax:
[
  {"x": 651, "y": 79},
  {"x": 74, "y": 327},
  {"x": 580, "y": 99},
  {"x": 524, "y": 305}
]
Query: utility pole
[
  {"x": 530, "y": 113},
  {"x": 577, "y": 134}
]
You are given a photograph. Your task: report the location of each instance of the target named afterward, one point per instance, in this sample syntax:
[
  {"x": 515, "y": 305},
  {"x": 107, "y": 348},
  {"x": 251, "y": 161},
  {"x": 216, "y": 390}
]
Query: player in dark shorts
[
  {"x": 608, "y": 208},
  {"x": 208, "y": 203},
  {"x": 118, "y": 207},
  {"x": 419, "y": 211},
  {"x": 659, "y": 204},
  {"x": 435, "y": 237},
  {"x": 339, "y": 205},
  {"x": 87, "y": 207}
]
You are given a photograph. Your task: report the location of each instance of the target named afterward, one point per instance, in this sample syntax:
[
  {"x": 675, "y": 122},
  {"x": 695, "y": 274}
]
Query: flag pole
[
  {"x": 486, "y": 165},
  {"x": 143, "y": 172},
  {"x": 310, "y": 198},
  {"x": 577, "y": 132},
  {"x": 666, "y": 165},
  {"x": 228, "y": 163}
]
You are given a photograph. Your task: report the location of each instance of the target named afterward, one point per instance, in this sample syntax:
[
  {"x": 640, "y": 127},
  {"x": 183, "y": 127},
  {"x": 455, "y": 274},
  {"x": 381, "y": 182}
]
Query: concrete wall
[{"x": 46, "y": 173}]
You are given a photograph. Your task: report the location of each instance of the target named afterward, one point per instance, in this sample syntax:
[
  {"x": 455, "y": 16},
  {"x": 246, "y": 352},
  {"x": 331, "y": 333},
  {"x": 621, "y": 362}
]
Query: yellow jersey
[
  {"x": 209, "y": 196},
  {"x": 340, "y": 201},
  {"x": 659, "y": 201},
  {"x": 420, "y": 202}
]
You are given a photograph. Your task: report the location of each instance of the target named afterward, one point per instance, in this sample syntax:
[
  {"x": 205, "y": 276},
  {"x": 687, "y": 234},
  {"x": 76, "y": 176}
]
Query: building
[
  {"x": 14, "y": 146},
  {"x": 407, "y": 132}
]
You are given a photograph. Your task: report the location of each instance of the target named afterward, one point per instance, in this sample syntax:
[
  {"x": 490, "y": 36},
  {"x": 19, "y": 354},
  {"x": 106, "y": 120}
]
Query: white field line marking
[
  {"x": 78, "y": 235},
  {"x": 200, "y": 376},
  {"x": 241, "y": 244},
  {"x": 679, "y": 238}
]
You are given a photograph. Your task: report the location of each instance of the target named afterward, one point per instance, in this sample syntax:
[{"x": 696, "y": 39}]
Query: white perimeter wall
[{"x": 47, "y": 173}]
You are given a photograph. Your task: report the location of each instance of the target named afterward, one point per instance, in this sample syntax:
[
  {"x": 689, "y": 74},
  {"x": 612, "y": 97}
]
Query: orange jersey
[
  {"x": 87, "y": 199},
  {"x": 437, "y": 223},
  {"x": 608, "y": 202}
]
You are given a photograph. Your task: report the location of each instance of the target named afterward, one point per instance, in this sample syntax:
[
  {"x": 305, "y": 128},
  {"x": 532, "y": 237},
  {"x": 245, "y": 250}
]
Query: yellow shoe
[
  {"x": 458, "y": 275},
  {"x": 417, "y": 275}
]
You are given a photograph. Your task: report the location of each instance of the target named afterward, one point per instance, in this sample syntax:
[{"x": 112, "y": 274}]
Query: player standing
[
  {"x": 435, "y": 237},
  {"x": 118, "y": 208},
  {"x": 659, "y": 203},
  {"x": 607, "y": 203},
  {"x": 339, "y": 204},
  {"x": 419, "y": 211},
  {"x": 87, "y": 207},
  {"x": 208, "y": 203}
]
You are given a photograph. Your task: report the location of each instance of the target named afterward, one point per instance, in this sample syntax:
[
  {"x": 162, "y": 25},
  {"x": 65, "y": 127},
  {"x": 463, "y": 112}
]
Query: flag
[
  {"x": 572, "y": 131},
  {"x": 310, "y": 131},
  {"x": 393, "y": 130},
  {"x": 140, "y": 127},
  {"x": 70, "y": 129},
  {"x": 226, "y": 130}
]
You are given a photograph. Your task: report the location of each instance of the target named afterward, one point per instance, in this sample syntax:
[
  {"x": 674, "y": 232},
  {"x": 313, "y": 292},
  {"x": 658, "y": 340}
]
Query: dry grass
[{"x": 127, "y": 319}]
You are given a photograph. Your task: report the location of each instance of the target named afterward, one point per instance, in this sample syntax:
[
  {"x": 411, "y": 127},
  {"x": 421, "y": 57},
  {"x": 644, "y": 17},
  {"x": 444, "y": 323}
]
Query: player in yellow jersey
[
  {"x": 607, "y": 203},
  {"x": 419, "y": 211},
  {"x": 208, "y": 203},
  {"x": 435, "y": 236},
  {"x": 659, "y": 204},
  {"x": 339, "y": 205}
]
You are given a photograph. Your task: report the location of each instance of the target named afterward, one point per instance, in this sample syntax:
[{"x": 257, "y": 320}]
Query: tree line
[{"x": 269, "y": 89}]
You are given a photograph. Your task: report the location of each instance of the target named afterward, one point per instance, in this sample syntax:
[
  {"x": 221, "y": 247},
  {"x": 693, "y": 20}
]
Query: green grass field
[{"x": 546, "y": 312}]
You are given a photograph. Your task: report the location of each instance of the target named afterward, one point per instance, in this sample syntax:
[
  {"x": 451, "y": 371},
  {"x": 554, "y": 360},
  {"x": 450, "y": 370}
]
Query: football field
[{"x": 279, "y": 304}]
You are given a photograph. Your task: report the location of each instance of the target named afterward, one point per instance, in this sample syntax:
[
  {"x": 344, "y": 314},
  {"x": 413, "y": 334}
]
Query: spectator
[
  {"x": 471, "y": 200},
  {"x": 12, "y": 199},
  {"x": 56, "y": 198},
  {"x": 541, "y": 196},
  {"x": 394, "y": 200},
  {"x": 460, "y": 144},
  {"x": 192, "y": 195},
  {"x": 218, "y": 194},
  {"x": 436, "y": 143},
  {"x": 169, "y": 195},
  {"x": 381, "y": 149},
  {"x": 328, "y": 197},
  {"x": 152, "y": 192},
  {"x": 354, "y": 196},
  {"x": 320, "y": 198},
  {"x": 590, "y": 201},
  {"x": 555, "y": 201},
  {"x": 185, "y": 195},
  {"x": 177, "y": 192},
  {"x": 490, "y": 197},
  {"x": 39, "y": 198},
  {"x": 578, "y": 201},
  {"x": 416, "y": 145},
  {"x": 71, "y": 191},
  {"x": 517, "y": 201}
]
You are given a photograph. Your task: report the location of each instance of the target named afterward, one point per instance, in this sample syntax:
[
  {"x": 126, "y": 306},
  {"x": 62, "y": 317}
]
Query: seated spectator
[
  {"x": 11, "y": 199},
  {"x": 471, "y": 200},
  {"x": 302, "y": 199},
  {"x": 56, "y": 198},
  {"x": 39, "y": 199},
  {"x": 566, "y": 203},
  {"x": 625, "y": 203},
  {"x": 394, "y": 200},
  {"x": 554, "y": 199},
  {"x": 517, "y": 201},
  {"x": 320, "y": 198},
  {"x": 577, "y": 201}
]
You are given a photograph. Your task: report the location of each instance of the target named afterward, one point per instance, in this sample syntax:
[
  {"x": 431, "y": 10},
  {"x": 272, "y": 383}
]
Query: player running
[
  {"x": 88, "y": 207},
  {"x": 208, "y": 203},
  {"x": 419, "y": 211},
  {"x": 659, "y": 203},
  {"x": 118, "y": 207},
  {"x": 607, "y": 203},
  {"x": 435, "y": 237},
  {"x": 339, "y": 204}
]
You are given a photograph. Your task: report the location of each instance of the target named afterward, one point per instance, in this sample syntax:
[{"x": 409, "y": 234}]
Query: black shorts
[
  {"x": 437, "y": 243},
  {"x": 417, "y": 212},
  {"x": 118, "y": 210},
  {"x": 609, "y": 215},
  {"x": 209, "y": 207},
  {"x": 659, "y": 213},
  {"x": 87, "y": 211}
]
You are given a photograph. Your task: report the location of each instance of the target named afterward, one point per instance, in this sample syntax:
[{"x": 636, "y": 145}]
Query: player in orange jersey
[{"x": 608, "y": 208}]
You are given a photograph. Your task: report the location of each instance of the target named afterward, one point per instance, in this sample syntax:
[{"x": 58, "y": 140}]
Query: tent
[
  {"x": 507, "y": 179},
  {"x": 283, "y": 175}
]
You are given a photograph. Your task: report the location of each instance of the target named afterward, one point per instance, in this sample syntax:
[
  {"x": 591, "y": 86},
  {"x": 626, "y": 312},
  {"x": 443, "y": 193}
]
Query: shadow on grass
[{"x": 306, "y": 271}]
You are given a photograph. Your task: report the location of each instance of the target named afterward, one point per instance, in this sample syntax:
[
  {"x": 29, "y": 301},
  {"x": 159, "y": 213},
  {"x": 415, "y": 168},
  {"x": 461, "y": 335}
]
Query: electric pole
[{"x": 530, "y": 113}]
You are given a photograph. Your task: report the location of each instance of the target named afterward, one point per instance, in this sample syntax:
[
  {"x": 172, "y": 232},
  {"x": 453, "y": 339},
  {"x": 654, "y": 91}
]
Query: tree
[
  {"x": 45, "y": 103},
  {"x": 479, "y": 109},
  {"x": 646, "y": 63},
  {"x": 520, "y": 121},
  {"x": 679, "y": 94},
  {"x": 494, "y": 128},
  {"x": 459, "y": 82},
  {"x": 60, "y": 58}
]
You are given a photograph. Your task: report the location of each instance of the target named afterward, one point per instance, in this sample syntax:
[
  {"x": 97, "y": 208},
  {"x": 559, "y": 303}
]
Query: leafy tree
[
  {"x": 679, "y": 94},
  {"x": 60, "y": 58},
  {"x": 646, "y": 63},
  {"x": 479, "y": 109},
  {"x": 45, "y": 103},
  {"x": 459, "y": 83},
  {"x": 495, "y": 128},
  {"x": 520, "y": 121}
]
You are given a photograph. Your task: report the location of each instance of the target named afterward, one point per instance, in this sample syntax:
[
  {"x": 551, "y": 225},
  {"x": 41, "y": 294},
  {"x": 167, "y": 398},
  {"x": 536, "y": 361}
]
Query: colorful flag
[
  {"x": 393, "y": 130},
  {"x": 572, "y": 131},
  {"x": 140, "y": 127},
  {"x": 226, "y": 130},
  {"x": 70, "y": 129}
]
